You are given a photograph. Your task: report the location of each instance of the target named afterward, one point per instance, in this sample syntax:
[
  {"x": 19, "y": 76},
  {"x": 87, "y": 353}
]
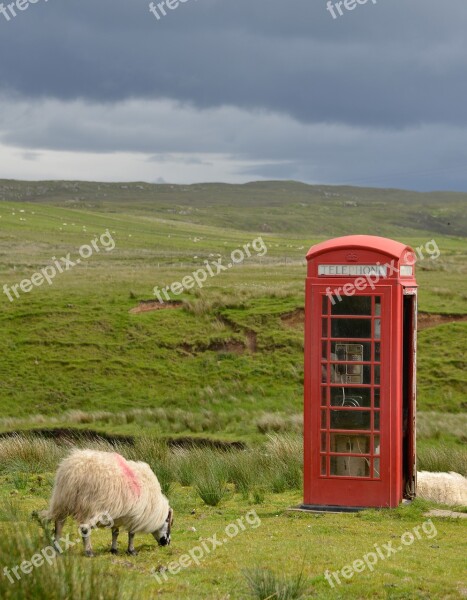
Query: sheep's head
[{"x": 162, "y": 535}]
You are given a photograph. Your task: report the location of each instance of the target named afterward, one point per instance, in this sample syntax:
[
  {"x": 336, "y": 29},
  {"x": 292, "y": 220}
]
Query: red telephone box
[{"x": 360, "y": 361}]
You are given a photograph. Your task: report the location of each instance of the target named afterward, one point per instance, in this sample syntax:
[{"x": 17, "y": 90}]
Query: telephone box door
[{"x": 349, "y": 407}]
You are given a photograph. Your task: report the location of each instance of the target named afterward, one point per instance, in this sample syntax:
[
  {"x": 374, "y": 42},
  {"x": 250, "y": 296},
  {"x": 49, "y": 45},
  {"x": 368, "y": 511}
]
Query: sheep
[
  {"x": 90, "y": 483},
  {"x": 446, "y": 488}
]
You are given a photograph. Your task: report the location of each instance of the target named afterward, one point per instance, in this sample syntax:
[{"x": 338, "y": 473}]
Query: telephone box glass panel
[{"x": 350, "y": 388}]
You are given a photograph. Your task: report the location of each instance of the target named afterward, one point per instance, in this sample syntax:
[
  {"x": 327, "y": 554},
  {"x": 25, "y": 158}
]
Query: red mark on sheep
[{"x": 129, "y": 474}]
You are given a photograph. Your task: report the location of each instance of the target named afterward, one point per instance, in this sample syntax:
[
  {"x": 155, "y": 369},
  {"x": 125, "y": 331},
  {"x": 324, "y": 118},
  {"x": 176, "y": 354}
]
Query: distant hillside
[
  {"x": 286, "y": 207},
  {"x": 234, "y": 349}
]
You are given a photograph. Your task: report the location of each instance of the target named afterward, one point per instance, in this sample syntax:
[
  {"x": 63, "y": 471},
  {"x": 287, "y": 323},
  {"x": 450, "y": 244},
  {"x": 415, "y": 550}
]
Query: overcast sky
[{"x": 236, "y": 90}]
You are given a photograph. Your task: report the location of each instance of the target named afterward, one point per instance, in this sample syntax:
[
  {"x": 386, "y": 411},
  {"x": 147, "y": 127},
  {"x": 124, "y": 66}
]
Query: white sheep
[
  {"x": 446, "y": 488},
  {"x": 89, "y": 484}
]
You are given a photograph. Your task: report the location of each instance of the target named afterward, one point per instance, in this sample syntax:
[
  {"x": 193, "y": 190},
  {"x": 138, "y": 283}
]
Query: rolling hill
[{"x": 231, "y": 350}]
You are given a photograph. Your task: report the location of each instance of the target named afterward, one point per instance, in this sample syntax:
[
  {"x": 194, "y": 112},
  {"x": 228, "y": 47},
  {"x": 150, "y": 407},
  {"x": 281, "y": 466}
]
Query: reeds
[
  {"x": 62, "y": 576},
  {"x": 264, "y": 584}
]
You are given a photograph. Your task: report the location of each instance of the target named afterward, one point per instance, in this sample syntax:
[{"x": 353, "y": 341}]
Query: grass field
[
  {"x": 241, "y": 498},
  {"x": 227, "y": 363}
]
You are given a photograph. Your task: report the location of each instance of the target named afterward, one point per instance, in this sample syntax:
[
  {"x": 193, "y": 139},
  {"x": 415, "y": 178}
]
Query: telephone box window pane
[
  {"x": 323, "y": 443},
  {"x": 324, "y": 350},
  {"x": 346, "y": 349},
  {"x": 350, "y": 466},
  {"x": 350, "y": 444},
  {"x": 351, "y": 328},
  {"x": 376, "y": 421},
  {"x": 377, "y": 397},
  {"x": 376, "y": 445},
  {"x": 377, "y": 306},
  {"x": 325, "y": 305},
  {"x": 377, "y": 351},
  {"x": 350, "y": 419},
  {"x": 323, "y": 465},
  {"x": 350, "y": 373},
  {"x": 323, "y": 420},
  {"x": 352, "y": 305},
  {"x": 323, "y": 396},
  {"x": 351, "y": 397},
  {"x": 366, "y": 374},
  {"x": 324, "y": 328},
  {"x": 377, "y": 329},
  {"x": 376, "y": 468},
  {"x": 377, "y": 375},
  {"x": 324, "y": 373}
]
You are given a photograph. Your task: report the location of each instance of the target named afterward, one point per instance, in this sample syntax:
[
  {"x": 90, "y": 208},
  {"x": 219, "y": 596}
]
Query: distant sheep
[
  {"x": 89, "y": 484},
  {"x": 446, "y": 488}
]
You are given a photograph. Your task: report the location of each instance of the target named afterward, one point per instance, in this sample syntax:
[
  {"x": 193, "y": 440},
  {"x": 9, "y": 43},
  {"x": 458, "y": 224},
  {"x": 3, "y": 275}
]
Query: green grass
[
  {"x": 442, "y": 378},
  {"x": 285, "y": 206},
  {"x": 264, "y": 584},
  {"x": 226, "y": 364},
  {"x": 65, "y": 576},
  {"x": 80, "y": 349},
  {"x": 75, "y": 346},
  {"x": 264, "y": 548},
  {"x": 211, "y": 487},
  {"x": 441, "y": 457}
]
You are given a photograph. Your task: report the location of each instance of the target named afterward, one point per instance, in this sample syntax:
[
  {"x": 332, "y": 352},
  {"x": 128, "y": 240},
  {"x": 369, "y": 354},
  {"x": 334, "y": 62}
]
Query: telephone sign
[
  {"x": 360, "y": 357},
  {"x": 352, "y": 270}
]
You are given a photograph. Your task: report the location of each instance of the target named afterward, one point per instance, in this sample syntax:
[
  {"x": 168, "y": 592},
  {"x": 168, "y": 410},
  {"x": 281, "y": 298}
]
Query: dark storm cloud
[
  {"x": 394, "y": 64},
  {"x": 268, "y": 145},
  {"x": 240, "y": 89}
]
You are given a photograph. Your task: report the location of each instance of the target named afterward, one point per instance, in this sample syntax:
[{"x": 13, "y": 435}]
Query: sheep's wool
[
  {"x": 90, "y": 483},
  {"x": 446, "y": 488}
]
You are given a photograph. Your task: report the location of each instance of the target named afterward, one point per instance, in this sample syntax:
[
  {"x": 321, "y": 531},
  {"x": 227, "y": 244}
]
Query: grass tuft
[
  {"x": 211, "y": 488},
  {"x": 212, "y": 475},
  {"x": 443, "y": 458},
  {"x": 263, "y": 584},
  {"x": 20, "y": 454},
  {"x": 67, "y": 576}
]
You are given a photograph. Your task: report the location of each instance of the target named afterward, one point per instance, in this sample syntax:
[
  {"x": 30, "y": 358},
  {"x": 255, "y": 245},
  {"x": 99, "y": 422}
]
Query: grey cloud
[
  {"x": 392, "y": 64},
  {"x": 174, "y": 158},
  {"x": 30, "y": 155},
  {"x": 272, "y": 145},
  {"x": 376, "y": 97}
]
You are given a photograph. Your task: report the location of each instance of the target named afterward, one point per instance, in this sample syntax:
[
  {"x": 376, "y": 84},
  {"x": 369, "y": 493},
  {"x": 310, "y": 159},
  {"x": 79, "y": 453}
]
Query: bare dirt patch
[
  {"x": 69, "y": 436},
  {"x": 426, "y": 320},
  {"x": 228, "y": 346},
  {"x": 251, "y": 340},
  {"x": 294, "y": 319},
  {"x": 233, "y": 346},
  {"x": 150, "y": 305},
  {"x": 251, "y": 337}
]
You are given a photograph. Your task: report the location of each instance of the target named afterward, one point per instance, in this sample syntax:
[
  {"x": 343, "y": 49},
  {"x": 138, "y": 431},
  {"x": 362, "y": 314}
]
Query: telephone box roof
[{"x": 364, "y": 242}]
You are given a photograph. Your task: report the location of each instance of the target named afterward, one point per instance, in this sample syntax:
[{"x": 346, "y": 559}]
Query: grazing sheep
[
  {"x": 89, "y": 484},
  {"x": 446, "y": 488}
]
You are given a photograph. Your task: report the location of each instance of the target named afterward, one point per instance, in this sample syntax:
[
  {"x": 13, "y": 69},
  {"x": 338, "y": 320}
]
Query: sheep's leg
[
  {"x": 86, "y": 535},
  {"x": 131, "y": 545},
  {"x": 114, "y": 547},
  {"x": 58, "y": 534}
]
